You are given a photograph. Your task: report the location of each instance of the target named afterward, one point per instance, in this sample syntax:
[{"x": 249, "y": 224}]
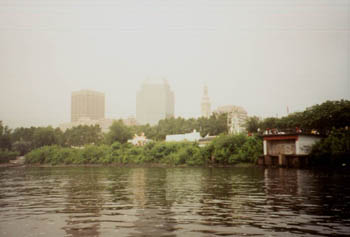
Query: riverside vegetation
[
  {"x": 224, "y": 150},
  {"x": 88, "y": 145}
]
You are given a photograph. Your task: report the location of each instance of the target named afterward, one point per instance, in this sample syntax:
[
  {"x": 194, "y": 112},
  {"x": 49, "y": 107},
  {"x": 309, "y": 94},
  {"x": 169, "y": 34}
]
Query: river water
[{"x": 114, "y": 201}]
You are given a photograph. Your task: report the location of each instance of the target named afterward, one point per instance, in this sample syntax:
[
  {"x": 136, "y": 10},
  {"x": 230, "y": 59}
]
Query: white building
[
  {"x": 236, "y": 117},
  {"x": 190, "y": 137}
]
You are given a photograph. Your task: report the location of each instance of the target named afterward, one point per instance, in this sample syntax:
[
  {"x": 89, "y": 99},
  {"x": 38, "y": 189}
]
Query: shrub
[
  {"x": 333, "y": 149},
  {"x": 92, "y": 154},
  {"x": 41, "y": 155},
  {"x": 6, "y": 156},
  {"x": 226, "y": 147},
  {"x": 249, "y": 151},
  {"x": 22, "y": 147},
  {"x": 230, "y": 149},
  {"x": 194, "y": 155}
]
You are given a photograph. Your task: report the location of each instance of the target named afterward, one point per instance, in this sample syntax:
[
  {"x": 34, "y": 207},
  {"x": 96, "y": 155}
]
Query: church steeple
[{"x": 205, "y": 104}]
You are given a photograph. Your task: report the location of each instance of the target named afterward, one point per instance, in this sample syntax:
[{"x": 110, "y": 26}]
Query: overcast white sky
[{"x": 263, "y": 55}]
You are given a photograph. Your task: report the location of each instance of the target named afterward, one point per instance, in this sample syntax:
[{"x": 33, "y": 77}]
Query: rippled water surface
[{"x": 97, "y": 201}]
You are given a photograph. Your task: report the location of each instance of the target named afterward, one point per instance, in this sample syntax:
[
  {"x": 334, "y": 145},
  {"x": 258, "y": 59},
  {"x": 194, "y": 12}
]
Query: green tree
[
  {"x": 269, "y": 123},
  {"x": 252, "y": 124},
  {"x": 22, "y": 147},
  {"x": 333, "y": 149},
  {"x": 45, "y": 136},
  {"x": 215, "y": 125},
  {"x": 230, "y": 149},
  {"x": 22, "y": 134},
  {"x": 5, "y": 137},
  {"x": 82, "y": 135},
  {"x": 328, "y": 115},
  {"x": 22, "y": 139},
  {"x": 226, "y": 147},
  {"x": 323, "y": 118},
  {"x": 119, "y": 132},
  {"x": 6, "y": 156}
]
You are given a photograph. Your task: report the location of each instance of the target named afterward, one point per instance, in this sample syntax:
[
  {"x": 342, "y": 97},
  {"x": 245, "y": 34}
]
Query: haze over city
[{"x": 262, "y": 55}]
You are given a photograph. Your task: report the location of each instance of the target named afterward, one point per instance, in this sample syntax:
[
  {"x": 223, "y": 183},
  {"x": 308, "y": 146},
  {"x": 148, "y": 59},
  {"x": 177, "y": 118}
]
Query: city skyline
[{"x": 263, "y": 55}]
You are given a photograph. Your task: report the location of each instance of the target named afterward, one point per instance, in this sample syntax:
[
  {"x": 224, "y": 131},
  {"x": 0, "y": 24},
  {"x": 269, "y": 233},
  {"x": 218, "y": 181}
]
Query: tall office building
[
  {"x": 87, "y": 104},
  {"x": 205, "y": 104},
  {"x": 154, "y": 101}
]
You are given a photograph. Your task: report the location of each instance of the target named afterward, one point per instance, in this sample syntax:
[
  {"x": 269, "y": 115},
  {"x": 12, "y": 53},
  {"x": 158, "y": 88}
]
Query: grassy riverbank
[{"x": 224, "y": 150}]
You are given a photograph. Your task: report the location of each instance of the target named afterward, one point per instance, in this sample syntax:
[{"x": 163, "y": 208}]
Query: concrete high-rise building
[
  {"x": 87, "y": 104},
  {"x": 205, "y": 104},
  {"x": 154, "y": 101}
]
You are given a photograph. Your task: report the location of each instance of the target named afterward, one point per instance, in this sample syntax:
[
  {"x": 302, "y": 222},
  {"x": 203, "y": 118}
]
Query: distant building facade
[
  {"x": 87, "y": 104},
  {"x": 130, "y": 121},
  {"x": 154, "y": 101},
  {"x": 205, "y": 104},
  {"x": 236, "y": 117}
]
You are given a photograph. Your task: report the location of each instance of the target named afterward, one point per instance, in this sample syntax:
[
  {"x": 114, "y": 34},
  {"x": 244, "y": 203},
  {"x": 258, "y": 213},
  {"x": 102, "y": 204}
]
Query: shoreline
[
  {"x": 10, "y": 165},
  {"x": 144, "y": 165}
]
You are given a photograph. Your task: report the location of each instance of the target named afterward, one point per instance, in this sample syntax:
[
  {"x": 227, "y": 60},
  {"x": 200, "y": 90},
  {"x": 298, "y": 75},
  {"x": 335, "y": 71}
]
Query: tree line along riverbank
[
  {"x": 225, "y": 149},
  {"x": 88, "y": 145}
]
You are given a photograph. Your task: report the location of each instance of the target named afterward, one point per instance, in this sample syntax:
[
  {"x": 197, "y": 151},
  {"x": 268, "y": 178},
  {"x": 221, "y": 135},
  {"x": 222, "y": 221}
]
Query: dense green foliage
[
  {"x": 57, "y": 146},
  {"x": 161, "y": 152},
  {"x": 24, "y": 140},
  {"x": 119, "y": 132},
  {"x": 223, "y": 150},
  {"x": 82, "y": 135},
  {"x": 5, "y": 137},
  {"x": 228, "y": 149},
  {"x": 45, "y": 136},
  {"x": 5, "y": 145},
  {"x": 6, "y": 156},
  {"x": 334, "y": 149},
  {"x": 330, "y": 119},
  {"x": 323, "y": 118},
  {"x": 214, "y": 125}
]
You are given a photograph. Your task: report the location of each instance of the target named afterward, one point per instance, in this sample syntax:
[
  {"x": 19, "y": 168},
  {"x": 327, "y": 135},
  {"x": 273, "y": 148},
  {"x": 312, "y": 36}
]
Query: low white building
[{"x": 191, "y": 137}]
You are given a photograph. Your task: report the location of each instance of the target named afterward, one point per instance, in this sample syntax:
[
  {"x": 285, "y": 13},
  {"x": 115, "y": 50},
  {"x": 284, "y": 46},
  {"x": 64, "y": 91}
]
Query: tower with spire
[{"x": 205, "y": 104}]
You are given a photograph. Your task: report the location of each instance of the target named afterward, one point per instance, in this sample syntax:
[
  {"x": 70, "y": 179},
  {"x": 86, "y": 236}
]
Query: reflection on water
[{"x": 100, "y": 201}]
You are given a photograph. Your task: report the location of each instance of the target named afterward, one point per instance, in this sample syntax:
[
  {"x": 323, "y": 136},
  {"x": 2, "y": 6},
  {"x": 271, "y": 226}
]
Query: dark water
[{"x": 173, "y": 202}]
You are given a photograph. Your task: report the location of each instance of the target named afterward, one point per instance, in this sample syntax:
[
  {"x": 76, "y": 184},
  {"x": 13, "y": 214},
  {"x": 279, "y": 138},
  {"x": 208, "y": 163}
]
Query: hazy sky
[{"x": 263, "y": 55}]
